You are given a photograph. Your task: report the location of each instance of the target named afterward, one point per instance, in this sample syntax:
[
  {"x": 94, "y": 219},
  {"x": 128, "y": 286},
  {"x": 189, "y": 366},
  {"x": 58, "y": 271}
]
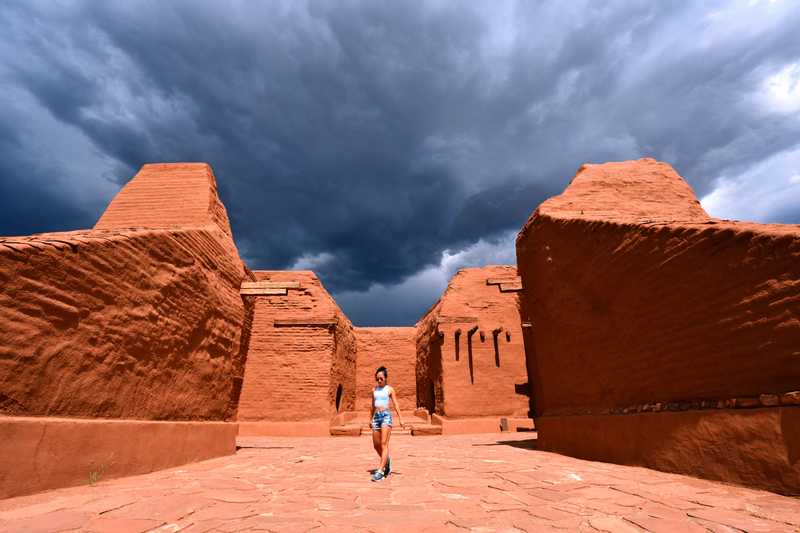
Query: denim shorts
[{"x": 380, "y": 419}]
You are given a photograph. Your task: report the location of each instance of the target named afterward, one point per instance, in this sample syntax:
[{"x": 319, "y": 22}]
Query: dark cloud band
[{"x": 381, "y": 134}]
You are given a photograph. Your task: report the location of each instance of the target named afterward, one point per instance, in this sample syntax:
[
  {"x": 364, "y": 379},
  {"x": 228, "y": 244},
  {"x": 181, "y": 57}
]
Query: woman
[{"x": 382, "y": 421}]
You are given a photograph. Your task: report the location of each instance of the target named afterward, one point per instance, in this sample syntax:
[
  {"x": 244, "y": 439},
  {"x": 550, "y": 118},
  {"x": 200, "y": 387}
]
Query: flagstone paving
[{"x": 493, "y": 482}]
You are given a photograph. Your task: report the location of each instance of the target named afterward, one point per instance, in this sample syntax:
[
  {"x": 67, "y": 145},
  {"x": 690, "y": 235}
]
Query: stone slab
[
  {"x": 260, "y": 291},
  {"x": 502, "y": 281},
  {"x": 290, "y": 322},
  {"x": 426, "y": 429},
  {"x": 270, "y": 285},
  {"x": 349, "y": 430},
  {"x": 457, "y": 319}
]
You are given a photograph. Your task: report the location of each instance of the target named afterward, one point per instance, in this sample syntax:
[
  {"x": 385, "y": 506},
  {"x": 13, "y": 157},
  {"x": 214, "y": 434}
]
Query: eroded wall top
[
  {"x": 469, "y": 294},
  {"x": 308, "y": 300},
  {"x": 628, "y": 191},
  {"x": 163, "y": 195}
]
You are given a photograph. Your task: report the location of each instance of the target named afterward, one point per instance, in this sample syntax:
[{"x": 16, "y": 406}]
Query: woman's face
[{"x": 380, "y": 379}]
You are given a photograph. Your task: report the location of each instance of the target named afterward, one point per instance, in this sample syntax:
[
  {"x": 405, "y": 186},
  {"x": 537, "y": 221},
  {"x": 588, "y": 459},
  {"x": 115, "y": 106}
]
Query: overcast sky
[{"x": 387, "y": 144}]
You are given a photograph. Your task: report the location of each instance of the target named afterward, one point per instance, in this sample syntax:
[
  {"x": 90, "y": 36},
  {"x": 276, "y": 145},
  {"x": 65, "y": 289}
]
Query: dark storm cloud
[
  {"x": 787, "y": 215},
  {"x": 27, "y": 204},
  {"x": 498, "y": 208},
  {"x": 37, "y": 192},
  {"x": 376, "y": 135}
]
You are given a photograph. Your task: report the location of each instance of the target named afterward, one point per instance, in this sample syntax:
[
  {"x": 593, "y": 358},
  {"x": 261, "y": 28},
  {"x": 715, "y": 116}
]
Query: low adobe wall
[
  {"x": 395, "y": 349},
  {"x": 755, "y": 447},
  {"x": 482, "y": 424},
  {"x": 45, "y": 453},
  {"x": 642, "y": 303}
]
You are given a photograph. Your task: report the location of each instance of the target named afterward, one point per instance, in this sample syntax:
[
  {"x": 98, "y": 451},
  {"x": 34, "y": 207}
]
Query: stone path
[{"x": 470, "y": 482}]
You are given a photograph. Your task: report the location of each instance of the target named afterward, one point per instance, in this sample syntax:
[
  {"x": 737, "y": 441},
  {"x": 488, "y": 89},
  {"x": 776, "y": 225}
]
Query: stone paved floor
[{"x": 471, "y": 482}]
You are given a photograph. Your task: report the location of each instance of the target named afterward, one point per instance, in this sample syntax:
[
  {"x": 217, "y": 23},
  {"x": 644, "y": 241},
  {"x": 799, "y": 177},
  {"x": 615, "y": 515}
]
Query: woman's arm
[{"x": 393, "y": 397}]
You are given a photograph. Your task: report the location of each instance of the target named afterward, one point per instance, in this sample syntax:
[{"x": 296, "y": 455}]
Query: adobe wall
[
  {"x": 470, "y": 347},
  {"x": 123, "y": 322},
  {"x": 302, "y": 347},
  {"x": 137, "y": 319},
  {"x": 394, "y": 348},
  {"x": 643, "y": 303}
]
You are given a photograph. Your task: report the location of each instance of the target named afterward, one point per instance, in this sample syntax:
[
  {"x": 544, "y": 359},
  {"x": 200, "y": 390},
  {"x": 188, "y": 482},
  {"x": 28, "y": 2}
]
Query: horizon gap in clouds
[{"x": 387, "y": 145}]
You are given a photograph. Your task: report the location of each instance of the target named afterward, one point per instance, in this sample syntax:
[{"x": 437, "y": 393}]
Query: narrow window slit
[
  {"x": 495, "y": 333},
  {"x": 470, "y": 333}
]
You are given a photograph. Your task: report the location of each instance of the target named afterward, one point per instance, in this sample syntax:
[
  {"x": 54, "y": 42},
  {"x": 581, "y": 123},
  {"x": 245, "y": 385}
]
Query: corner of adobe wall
[{"x": 428, "y": 360}]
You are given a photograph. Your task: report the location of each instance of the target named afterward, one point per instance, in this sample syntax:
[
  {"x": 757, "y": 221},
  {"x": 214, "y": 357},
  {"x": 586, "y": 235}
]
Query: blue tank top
[{"x": 381, "y": 396}]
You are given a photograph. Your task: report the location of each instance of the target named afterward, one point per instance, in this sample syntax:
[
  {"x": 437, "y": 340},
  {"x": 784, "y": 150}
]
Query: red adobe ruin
[
  {"x": 470, "y": 354},
  {"x": 301, "y": 359},
  {"x": 649, "y": 332},
  {"x": 146, "y": 343},
  {"x": 663, "y": 337}
]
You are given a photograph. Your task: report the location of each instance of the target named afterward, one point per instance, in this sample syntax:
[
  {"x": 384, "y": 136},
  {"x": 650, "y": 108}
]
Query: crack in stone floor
[{"x": 490, "y": 482}]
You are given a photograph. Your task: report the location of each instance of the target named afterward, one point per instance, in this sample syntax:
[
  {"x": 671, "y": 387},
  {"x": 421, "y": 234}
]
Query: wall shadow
[{"x": 527, "y": 444}]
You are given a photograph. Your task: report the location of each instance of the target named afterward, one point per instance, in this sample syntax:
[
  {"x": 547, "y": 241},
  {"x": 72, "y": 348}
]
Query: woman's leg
[
  {"x": 386, "y": 433},
  {"x": 377, "y": 442}
]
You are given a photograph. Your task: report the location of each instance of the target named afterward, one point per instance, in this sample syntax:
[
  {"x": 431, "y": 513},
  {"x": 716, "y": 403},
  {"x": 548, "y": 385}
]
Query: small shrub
[{"x": 96, "y": 475}]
